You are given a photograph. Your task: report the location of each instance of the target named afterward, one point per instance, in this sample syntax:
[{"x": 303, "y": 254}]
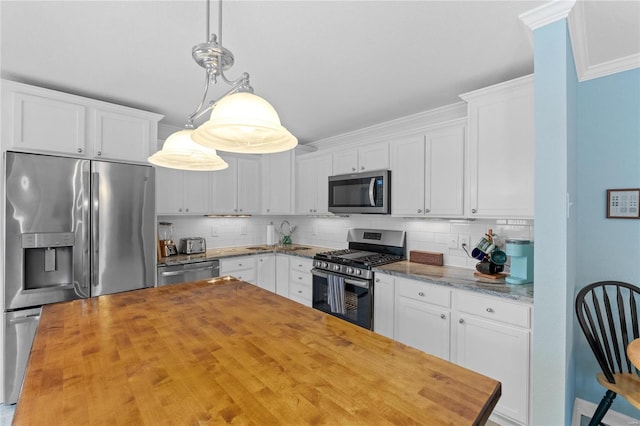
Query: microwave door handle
[{"x": 372, "y": 186}]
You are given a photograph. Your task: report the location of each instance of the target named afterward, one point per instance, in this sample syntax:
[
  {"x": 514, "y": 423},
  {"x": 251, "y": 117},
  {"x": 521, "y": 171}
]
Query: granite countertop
[
  {"x": 219, "y": 253},
  {"x": 459, "y": 278}
]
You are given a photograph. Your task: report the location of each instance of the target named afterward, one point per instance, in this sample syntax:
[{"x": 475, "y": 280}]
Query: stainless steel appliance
[
  {"x": 368, "y": 192},
  {"x": 193, "y": 245},
  {"x": 174, "y": 274},
  {"x": 343, "y": 279},
  {"x": 74, "y": 229}
]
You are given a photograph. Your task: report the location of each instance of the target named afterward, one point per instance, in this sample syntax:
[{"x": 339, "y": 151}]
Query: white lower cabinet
[
  {"x": 383, "y": 304},
  {"x": 301, "y": 280},
  {"x": 423, "y": 316},
  {"x": 282, "y": 274},
  {"x": 266, "y": 271},
  {"x": 241, "y": 267},
  {"x": 493, "y": 337}
]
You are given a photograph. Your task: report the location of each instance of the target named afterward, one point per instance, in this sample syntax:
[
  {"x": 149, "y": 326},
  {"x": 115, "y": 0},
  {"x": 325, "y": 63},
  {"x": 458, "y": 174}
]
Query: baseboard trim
[{"x": 612, "y": 418}]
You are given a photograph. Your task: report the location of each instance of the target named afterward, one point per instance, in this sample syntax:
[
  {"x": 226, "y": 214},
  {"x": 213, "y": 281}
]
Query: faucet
[{"x": 285, "y": 236}]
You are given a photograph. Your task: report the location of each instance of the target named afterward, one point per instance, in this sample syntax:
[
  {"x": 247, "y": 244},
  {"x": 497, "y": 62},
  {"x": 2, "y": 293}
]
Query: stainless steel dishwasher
[{"x": 175, "y": 274}]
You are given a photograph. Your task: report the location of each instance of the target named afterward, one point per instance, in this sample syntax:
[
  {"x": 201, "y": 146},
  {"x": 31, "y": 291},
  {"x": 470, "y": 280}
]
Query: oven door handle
[{"x": 357, "y": 283}]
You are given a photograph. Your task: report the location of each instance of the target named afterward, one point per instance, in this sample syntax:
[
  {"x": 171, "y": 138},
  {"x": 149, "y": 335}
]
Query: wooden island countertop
[{"x": 225, "y": 351}]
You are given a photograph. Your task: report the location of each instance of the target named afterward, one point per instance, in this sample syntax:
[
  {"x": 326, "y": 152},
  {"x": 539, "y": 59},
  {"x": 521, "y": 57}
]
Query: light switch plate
[
  {"x": 464, "y": 239},
  {"x": 453, "y": 241}
]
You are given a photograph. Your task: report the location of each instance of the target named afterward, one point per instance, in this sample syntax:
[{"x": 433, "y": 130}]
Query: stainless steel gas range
[{"x": 343, "y": 279}]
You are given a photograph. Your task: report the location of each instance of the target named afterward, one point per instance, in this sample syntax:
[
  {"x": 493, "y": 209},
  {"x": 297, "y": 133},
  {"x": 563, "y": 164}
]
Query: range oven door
[{"x": 357, "y": 296}]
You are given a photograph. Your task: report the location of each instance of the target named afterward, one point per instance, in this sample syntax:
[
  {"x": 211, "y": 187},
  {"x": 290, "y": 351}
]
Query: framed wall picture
[{"x": 623, "y": 203}]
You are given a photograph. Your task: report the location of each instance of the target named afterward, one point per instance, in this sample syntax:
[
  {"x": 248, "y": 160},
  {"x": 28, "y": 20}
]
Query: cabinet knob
[
  {"x": 474, "y": 211},
  {"x": 419, "y": 210},
  {"x": 443, "y": 316},
  {"x": 268, "y": 210},
  {"x": 80, "y": 150},
  {"x": 235, "y": 210},
  {"x": 362, "y": 168},
  {"x": 310, "y": 210},
  {"x": 421, "y": 294},
  {"x": 180, "y": 210},
  {"x": 299, "y": 278},
  {"x": 353, "y": 169},
  {"x": 427, "y": 210},
  {"x": 489, "y": 310},
  {"x": 99, "y": 153},
  {"x": 461, "y": 321},
  {"x": 186, "y": 210},
  {"x": 261, "y": 260},
  {"x": 299, "y": 291}
]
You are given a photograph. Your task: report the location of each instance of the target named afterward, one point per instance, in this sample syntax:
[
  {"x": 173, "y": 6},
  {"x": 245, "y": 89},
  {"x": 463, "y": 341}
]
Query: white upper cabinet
[
  {"x": 428, "y": 173},
  {"x": 181, "y": 192},
  {"x": 236, "y": 190},
  {"x": 501, "y": 150},
  {"x": 312, "y": 191},
  {"x": 277, "y": 183},
  {"x": 362, "y": 159},
  {"x": 43, "y": 120}
]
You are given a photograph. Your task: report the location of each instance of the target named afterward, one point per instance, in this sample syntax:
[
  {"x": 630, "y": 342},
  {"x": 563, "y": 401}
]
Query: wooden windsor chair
[{"x": 608, "y": 315}]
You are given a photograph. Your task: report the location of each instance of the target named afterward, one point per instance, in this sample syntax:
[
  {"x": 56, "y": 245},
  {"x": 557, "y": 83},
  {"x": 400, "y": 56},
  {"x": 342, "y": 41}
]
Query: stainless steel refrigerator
[{"x": 74, "y": 229}]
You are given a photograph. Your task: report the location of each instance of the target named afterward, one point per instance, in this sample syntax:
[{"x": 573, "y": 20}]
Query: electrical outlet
[
  {"x": 214, "y": 231},
  {"x": 453, "y": 241},
  {"x": 464, "y": 240}
]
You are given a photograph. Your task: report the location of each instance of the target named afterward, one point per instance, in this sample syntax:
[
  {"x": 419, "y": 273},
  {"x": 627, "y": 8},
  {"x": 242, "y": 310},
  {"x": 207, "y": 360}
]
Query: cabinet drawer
[
  {"x": 497, "y": 310},
  {"x": 300, "y": 292},
  {"x": 300, "y": 264},
  {"x": 231, "y": 265},
  {"x": 424, "y": 292}
]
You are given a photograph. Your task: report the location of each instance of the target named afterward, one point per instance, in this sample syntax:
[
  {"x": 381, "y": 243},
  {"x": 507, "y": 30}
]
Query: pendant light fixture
[{"x": 240, "y": 121}]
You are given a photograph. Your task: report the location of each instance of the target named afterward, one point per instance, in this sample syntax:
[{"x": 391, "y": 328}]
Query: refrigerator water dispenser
[{"x": 48, "y": 259}]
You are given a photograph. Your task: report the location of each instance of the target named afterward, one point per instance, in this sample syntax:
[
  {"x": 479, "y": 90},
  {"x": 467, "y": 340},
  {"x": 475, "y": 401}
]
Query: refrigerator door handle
[
  {"x": 95, "y": 226},
  {"x": 82, "y": 286}
]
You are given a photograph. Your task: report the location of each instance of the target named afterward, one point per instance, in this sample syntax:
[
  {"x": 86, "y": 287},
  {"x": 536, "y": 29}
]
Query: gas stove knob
[
  {"x": 336, "y": 267},
  {"x": 325, "y": 265},
  {"x": 358, "y": 272},
  {"x": 349, "y": 270}
]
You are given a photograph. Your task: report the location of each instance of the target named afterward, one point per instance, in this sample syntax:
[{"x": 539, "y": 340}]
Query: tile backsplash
[{"x": 331, "y": 232}]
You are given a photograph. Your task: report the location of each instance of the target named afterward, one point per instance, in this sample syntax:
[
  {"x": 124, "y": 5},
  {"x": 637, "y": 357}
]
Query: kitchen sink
[{"x": 293, "y": 248}]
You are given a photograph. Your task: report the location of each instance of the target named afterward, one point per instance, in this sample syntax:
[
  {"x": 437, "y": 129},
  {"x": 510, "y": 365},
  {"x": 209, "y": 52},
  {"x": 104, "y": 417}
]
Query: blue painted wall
[
  {"x": 553, "y": 387},
  {"x": 608, "y": 156}
]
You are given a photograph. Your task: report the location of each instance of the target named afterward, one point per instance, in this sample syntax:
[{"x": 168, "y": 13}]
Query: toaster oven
[{"x": 192, "y": 245}]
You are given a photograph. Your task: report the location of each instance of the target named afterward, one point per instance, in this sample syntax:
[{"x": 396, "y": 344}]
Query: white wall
[{"x": 331, "y": 232}]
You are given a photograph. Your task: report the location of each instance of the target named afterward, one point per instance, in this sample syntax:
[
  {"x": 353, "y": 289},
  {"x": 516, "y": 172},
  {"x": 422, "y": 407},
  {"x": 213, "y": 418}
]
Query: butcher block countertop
[{"x": 224, "y": 351}]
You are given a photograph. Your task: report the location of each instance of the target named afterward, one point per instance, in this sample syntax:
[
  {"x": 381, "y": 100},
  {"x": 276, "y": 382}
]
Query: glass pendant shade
[
  {"x": 181, "y": 152},
  {"x": 244, "y": 123}
]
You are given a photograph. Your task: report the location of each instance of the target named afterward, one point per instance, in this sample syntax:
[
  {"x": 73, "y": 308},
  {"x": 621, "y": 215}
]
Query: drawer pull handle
[
  {"x": 461, "y": 321},
  {"x": 443, "y": 316},
  {"x": 421, "y": 294},
  {"x": 489, "y": 310}
]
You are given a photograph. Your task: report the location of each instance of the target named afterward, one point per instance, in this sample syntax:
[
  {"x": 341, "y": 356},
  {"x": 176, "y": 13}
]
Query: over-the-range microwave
[{"x": 367, "y": 192}]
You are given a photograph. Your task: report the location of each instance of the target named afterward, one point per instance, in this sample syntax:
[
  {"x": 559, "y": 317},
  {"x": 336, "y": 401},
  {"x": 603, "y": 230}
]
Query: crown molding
[
  {"x": 584, "y": 68},
  {"x": 547, "y": 13},
  {"x": 404, "y": 125}
]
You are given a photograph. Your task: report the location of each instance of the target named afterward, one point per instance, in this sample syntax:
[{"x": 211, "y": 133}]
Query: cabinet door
[
  {"x": 278, "y": 183},
  {"x": 266, "y": 272},
  {"x": 423, "y": 326},
  {"x": 407, "y": 176},
  {"x": 282, "y": 275},
  {"x": 43, "y": 124},
  {"x": 306, "y": 185},
  {"x": 501, "y": 152},
  {"x": 501, "y": 352},
  {"x": 324, "y": 167},
  {"x": 120, "y": 136},
  {"x": 383, "y": 305},
  {"x": 168, "y": 191},
  {"x": 444, "y": 186},
  {"x": 224, "y": 188},
  {"x": 373, "y": 157},
  {"x": 248, "y": 185},
  {"x": 345, "y": 162},
  {"x": 195, "y": 189}
]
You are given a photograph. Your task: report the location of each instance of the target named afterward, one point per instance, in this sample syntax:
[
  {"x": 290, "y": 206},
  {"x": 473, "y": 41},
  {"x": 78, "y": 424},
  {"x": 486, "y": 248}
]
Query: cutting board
[{"x": 491, "y": 277}]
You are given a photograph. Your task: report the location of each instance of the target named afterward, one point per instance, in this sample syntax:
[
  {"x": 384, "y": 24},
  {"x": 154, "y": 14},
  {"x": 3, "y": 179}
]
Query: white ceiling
[{"x": 328, "y": 67}]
